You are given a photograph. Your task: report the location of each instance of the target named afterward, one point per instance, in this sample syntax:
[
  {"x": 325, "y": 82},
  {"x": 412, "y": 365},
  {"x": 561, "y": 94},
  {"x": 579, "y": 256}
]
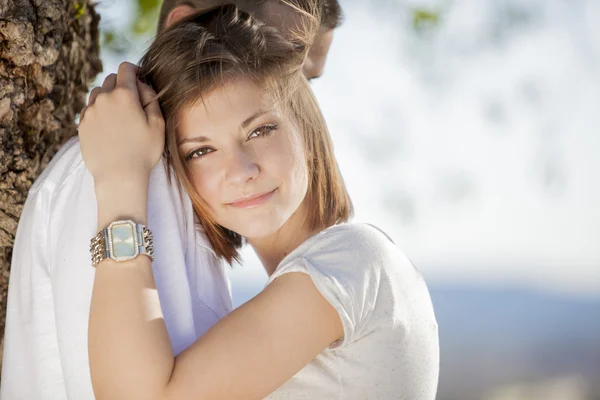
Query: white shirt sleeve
[
  {"x": 390, "y": 346},
  {"x": 346, "y": 264},
  {"x": 30, "y": 339},
  {"x": 72, "y": 223}
]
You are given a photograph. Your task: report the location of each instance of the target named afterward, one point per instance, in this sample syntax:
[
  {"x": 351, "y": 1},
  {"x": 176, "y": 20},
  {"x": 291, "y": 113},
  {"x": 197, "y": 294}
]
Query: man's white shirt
[{"x": 50, "y": 287}]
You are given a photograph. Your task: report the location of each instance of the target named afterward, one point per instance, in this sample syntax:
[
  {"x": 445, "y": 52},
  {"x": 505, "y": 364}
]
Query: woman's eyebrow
[
  {"x": 197, "y": 139},
  {"x": 249, "y": 120}
]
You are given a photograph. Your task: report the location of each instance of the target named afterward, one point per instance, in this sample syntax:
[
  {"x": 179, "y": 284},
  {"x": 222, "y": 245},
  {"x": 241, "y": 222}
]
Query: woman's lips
[{"x": 253, "y": 201}]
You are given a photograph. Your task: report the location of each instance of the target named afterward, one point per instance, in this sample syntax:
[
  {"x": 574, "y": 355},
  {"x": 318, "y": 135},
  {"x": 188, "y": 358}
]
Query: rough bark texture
[{"x": 49, "y": 56}]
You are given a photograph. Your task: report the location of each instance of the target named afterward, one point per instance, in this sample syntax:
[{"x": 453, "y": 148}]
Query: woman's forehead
[{"x": 226, "y": 107}]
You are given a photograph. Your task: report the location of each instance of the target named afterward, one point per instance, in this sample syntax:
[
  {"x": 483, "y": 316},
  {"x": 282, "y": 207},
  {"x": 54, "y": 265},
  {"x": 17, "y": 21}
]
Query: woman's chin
[{"x": 256, "y": 230}]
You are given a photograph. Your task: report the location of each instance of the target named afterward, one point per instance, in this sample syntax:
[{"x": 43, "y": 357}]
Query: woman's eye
[
  {"x": 199, "y": 153},
  {"x": 264, "y": 130}
]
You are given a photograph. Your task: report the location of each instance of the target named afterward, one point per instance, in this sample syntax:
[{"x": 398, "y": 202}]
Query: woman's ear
[{"x": 178, "y": 13}]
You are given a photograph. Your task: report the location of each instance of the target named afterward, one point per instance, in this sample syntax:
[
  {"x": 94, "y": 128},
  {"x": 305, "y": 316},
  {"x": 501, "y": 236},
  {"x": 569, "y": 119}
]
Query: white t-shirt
[
  {"x": 50, "y": 287},
  {"x": 390, "y": 348}
]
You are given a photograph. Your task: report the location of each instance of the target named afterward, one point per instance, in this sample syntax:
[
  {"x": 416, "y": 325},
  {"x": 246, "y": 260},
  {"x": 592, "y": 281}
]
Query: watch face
[{"x": 123, "y": 242}]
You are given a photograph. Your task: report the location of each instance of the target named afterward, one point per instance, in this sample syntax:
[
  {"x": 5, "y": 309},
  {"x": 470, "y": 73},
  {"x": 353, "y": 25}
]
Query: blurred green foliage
[
  {"x": 143, "y": 25},
  {"x": 79, "y": 10},
  {"x": 425, "y": 20},
  {"x": 147, "y": 18}
]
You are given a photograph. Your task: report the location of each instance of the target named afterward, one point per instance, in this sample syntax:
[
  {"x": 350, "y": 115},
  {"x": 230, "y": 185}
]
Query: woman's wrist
[{"x": 123, "y": 197}]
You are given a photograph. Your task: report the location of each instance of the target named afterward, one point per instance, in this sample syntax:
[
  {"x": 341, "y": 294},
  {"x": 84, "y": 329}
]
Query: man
[
  {"x": 45, "y": 354},
  {"x": 273, "y": 12}
]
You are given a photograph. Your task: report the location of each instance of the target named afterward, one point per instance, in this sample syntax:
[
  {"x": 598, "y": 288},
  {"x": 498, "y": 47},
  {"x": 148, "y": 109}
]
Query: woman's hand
[{"x": 119, "y": 139}]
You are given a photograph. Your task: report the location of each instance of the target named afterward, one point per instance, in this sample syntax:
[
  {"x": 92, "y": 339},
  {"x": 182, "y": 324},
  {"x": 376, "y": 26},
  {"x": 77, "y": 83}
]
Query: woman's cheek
[
  {"x": 206, "y": 183},
  {"x": 281, "y": 155}
]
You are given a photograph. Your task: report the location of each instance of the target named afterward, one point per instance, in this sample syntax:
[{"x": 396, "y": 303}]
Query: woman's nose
[{"x": 242, "y": 167}]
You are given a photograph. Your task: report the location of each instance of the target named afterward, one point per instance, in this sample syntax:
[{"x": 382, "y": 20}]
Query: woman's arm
[{"x": 246, "y": 355}]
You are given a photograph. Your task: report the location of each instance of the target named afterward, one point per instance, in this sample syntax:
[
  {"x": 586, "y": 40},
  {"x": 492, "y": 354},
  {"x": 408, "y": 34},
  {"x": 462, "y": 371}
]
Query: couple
[{"x": 343, "y": 315}]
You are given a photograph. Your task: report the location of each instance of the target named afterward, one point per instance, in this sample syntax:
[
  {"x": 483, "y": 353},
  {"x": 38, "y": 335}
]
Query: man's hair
[
  {"x": 208, "y": 50},
  {"x": 331, "y": 14},
  {"x": 330, "y": 10}
]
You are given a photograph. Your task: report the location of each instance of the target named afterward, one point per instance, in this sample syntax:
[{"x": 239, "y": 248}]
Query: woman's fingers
[
  {"x": 126, "y": 76},
  {"x": 115, "y": 115},
  {"x": 93, "y": 94},
  {"x": 91, "y": 100},
  {"x": 109, "y": 83},
  {"x": 82, "y": 113},
  {"x": 149, "y": 101}
]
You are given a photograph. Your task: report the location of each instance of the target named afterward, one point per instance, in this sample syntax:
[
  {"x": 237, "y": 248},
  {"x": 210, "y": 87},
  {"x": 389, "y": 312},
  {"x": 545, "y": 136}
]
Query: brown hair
[
  {"x": 330, "y": 10},
  {"x": 209, "y": 49},
  {"x": 331, "y": 14}
]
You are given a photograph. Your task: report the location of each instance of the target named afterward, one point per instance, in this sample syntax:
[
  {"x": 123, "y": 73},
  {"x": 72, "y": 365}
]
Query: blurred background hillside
[{"x": 469, "y": 131}]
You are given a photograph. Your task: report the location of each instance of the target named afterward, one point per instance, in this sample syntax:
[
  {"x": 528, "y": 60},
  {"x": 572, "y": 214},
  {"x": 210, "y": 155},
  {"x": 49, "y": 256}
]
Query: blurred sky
[{"x": 473, "y": 143}]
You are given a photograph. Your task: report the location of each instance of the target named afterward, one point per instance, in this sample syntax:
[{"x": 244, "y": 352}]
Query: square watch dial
[{"x": 123, "y": 241}]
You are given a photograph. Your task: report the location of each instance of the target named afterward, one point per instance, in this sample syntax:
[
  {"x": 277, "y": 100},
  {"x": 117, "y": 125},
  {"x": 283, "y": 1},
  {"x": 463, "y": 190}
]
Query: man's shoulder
[{"x": 64, "y": 166}]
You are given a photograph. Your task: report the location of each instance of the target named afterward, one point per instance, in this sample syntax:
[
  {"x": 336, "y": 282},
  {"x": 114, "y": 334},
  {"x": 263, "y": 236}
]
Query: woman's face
[{"x": 246, "y": 159}]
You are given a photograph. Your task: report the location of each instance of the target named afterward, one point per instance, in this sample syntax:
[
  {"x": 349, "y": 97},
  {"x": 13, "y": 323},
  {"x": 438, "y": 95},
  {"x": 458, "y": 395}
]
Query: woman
[{"x": 344, "y": 314}]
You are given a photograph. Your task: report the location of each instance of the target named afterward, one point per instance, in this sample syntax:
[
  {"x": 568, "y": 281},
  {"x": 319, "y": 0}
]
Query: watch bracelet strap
[
  {"x": 147, "y": 241},
  {"x": 99, "y": 249}
]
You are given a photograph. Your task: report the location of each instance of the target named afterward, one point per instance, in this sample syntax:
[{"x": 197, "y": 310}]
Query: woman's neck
[{"x": 272, "y": 249}]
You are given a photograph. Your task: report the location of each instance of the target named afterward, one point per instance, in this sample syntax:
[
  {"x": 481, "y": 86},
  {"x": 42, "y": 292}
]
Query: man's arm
[
  {"x": 71, "y": 221},
  {"x": 31, "y": 367},
  {"x": 49, "y": 291}
]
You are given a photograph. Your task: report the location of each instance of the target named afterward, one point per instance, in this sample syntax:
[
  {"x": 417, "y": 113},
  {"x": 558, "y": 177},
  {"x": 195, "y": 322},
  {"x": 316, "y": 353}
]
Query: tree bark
[{"x": 49, "y": 56}]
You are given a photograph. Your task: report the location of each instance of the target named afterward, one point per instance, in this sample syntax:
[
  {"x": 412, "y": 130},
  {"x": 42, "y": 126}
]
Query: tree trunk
[{"x": 49, "y": 56}]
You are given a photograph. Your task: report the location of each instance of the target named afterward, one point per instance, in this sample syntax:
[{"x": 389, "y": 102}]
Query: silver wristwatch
[{"x": 121, "y": 241}]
